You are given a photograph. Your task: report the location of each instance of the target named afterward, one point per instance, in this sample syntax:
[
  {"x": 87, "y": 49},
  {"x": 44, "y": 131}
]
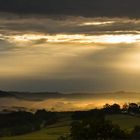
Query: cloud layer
[
  {"x": 93, "y": 8},
  {"x": 68, "y": 53}
]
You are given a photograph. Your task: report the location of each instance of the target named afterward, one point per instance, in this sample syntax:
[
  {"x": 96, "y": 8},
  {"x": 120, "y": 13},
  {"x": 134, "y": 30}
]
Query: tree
[
  {"x": 133, "y": 108},
  {"x": 45, "y": 117},
  {"x": 95, "y": 127},
  {"x": 112, "y": 109},
  {"x": 125, "y": 107},
  {"x": 136, "y": 133}
]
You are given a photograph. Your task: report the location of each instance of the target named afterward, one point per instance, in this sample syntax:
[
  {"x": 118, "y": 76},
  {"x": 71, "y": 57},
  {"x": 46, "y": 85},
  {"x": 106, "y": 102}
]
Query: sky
[
  {"x": 92, "y": 8},
  {"x": 69, "y": 53},
  {"x": 69, "y": 46}
]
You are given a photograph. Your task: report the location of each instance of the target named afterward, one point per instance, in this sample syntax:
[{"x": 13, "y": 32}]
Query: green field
[
  {"x": 62, "y": 128},
  {"x": 52, "y": 132},
  {"x": 126, "y": 122}
]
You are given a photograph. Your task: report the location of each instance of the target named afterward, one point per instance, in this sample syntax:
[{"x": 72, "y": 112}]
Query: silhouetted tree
[
  {"x": 81, "y": 115},
  {"x": 45, "y": 117},
  {"x": 96, "y": 128},
  {"x": 112, "y": 109},
  {"x": 133, "y": 108},
  {"x": 21, "y": 122},
  {"x": 136, "y": 133},
  {"x": 125, "y": 107}
]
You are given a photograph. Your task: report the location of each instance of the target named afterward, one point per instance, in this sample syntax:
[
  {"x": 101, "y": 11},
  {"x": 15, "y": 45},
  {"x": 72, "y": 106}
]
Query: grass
[
  {"x": 126, "y": 122},
  {"x": 52, "y": 132},
  {"x": 62, "y": 127}
]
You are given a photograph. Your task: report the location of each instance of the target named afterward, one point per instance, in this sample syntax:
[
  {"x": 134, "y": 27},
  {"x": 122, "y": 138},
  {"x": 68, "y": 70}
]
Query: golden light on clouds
[
  {"x": 75, "y": 38},
  {"x": 122, "y": 39},
  {"x": 69, "y": 53},
  {"x": 97, "y": 23},
  {"x": 130, "y": 63},
  {"x": 63, "y": 47}
]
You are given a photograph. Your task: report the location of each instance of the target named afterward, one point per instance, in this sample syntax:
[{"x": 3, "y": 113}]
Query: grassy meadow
[
  {"x": 53, "y": 132},
  {"x": 126, "y": 122}
]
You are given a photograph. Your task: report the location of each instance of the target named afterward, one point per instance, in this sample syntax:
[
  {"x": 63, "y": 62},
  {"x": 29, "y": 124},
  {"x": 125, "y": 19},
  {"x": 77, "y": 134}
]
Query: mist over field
[{"x": 64, "y": 102}]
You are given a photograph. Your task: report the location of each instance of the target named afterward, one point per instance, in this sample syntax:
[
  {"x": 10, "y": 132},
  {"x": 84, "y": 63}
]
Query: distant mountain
[
  {"x": 5, "y": 94},
  {"x": 31, "y": 96},
  {"x": 10, "y": 100},
  {"x": 40, "y": 96}
]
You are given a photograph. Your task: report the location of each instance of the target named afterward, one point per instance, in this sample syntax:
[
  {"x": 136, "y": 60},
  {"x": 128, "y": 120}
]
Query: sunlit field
[{"x": 126, "y": 122}]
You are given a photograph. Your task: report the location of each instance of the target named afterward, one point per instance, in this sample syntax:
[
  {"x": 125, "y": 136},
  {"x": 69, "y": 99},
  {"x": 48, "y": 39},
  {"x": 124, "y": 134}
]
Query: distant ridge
[
  {"x": 5, "y": 94},
  {"x": 42, "y": 96},
  {"x": 33, "y": 96}
]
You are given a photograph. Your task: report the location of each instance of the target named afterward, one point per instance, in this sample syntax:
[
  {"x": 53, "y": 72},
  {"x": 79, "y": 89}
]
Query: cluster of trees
[
  {"x": 131, "y": 108},
  {"x": 90, "y": 125},
  {"x": 93, "y": 125},
  {"x": 86, "y": 125},
  {"x": 21, "y": 122}
]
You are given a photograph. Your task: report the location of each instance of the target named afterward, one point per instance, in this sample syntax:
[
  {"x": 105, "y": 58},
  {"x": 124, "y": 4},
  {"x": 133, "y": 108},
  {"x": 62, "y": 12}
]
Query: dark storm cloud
[
  {"x": 111, "y": 8},
  {"x": 13, "y": 24}
]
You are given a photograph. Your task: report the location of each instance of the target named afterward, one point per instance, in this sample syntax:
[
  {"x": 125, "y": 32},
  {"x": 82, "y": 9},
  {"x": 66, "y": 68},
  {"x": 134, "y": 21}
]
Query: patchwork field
[
  {"x": 125, "y": 121},
  {"x": 62, "y": 127},
  {"x": 52, "y": 132}
]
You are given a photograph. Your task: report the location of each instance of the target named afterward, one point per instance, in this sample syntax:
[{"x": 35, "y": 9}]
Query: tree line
[
  {"x": 92, "y": 125},
  {"x": 86, "y": 125},
  {"x": 22, "y": 122}
]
